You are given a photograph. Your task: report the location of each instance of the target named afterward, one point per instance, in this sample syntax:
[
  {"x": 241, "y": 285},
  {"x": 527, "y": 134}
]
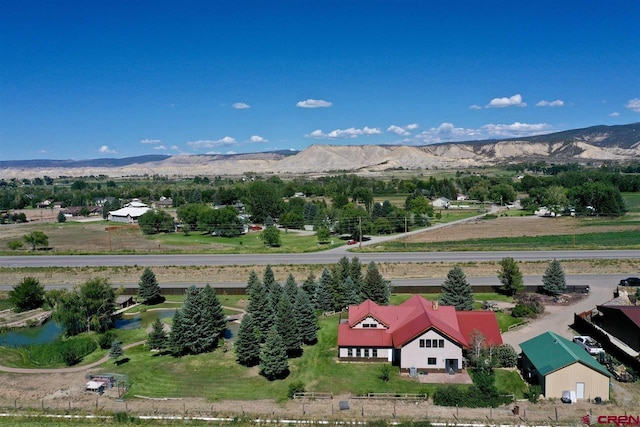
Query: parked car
[
  {"x": 630, "y": 281},
  {"x": 351, "y": 242},
  {"x": 589, "y": 344}
]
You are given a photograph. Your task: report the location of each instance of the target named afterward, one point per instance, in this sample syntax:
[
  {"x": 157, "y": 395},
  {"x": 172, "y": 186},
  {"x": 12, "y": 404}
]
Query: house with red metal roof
[{"x": 418, "y": 334}]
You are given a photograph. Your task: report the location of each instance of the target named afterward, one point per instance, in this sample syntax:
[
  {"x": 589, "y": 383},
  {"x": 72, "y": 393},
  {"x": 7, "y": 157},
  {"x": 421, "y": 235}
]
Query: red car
[{"x": 351, "y": 242}]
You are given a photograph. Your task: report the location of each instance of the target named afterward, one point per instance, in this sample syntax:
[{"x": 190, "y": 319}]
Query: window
[
  {"x": 374, "y": 352},
  {"x": 366, "y": 352},
  {"x": 431, "y": 361},
  {"x": 435, "y": 343},
  {"x": 349, "y": 352},
  {"x": 427, "y": 343},
  {"x": 366, "y": 325},
  {"x": 358, "y": 352},
  {"x": 441, "y": 343},
  {"x": 422, "y": 343}
]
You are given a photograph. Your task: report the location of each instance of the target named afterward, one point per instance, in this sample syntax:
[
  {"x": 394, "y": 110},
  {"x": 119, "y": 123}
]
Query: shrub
[
  {"x": 295, "y": 387},
  {"x": 521, "y": 310},
  {"x": 385, "y": 370},
  {"x": 507, "y": 356},
  {"x": 14, "y": 244},
  {"x": 533, "y": 394},
  {"x": 105, "y": 340}
]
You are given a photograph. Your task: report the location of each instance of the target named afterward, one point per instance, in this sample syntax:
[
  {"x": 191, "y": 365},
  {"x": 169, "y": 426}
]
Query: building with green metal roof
[{"x": 559, "y": 365}]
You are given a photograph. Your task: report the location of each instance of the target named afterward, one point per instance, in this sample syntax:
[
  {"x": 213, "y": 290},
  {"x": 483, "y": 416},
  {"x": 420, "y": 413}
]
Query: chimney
[{"x": 434, "y": 304}]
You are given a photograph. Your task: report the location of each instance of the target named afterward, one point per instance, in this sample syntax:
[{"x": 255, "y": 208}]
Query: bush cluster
[
  {"x": 527, "y": 305},
  {"x": 481, "y": 394},
  {"x": 69, "y": 352}
]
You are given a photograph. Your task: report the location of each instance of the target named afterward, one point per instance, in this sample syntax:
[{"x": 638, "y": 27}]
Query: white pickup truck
[{"x": 589, "y": 344}]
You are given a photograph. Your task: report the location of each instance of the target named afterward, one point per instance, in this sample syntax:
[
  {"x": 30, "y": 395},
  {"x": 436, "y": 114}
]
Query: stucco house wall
[
  {"x": 416, "y": 354},
  {"x": 567, "y": 378}
]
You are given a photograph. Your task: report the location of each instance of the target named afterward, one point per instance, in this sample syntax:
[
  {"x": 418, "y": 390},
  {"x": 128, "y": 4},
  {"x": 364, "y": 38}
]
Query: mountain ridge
[{"x": 620, "y": 143}]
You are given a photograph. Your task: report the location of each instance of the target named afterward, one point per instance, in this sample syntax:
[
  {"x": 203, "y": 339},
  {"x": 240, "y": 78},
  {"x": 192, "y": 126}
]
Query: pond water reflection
[{"x": 51, "y": 330}]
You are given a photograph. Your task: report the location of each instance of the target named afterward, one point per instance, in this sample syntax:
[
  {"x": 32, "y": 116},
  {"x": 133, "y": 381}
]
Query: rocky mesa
[{"x": 594, "y": 144}]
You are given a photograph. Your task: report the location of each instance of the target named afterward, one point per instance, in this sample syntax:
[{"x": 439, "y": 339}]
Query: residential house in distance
[
  {"x": 163, "y": 203},
  {"x": 441, "y": 202},
  {"x": 559, "y": 365},
  {"x": 129, "y": 213},
  {"x": 418, "y": 334}
]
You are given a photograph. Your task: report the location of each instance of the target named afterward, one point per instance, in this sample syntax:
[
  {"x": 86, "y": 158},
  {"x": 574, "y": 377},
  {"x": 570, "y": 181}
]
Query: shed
[{"x": 558, "y": 365}]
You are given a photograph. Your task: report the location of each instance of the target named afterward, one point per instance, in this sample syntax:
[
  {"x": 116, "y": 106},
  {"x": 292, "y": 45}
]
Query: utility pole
[
  {"x": 405, "y": 232},
  {"x": 360, "y": 227}
]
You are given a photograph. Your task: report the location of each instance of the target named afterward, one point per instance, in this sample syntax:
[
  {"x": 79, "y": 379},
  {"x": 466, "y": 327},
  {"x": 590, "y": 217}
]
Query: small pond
[{"x": 51, "y": 330}]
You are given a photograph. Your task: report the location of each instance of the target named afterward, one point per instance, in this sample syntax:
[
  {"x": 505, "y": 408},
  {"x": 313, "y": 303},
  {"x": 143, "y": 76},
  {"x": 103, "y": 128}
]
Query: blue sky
[{"x": 89, "y": 79}]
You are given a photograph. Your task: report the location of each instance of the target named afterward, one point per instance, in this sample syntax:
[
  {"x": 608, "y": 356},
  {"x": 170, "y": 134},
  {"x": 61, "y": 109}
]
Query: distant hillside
[{"x": 593, "y": 144}]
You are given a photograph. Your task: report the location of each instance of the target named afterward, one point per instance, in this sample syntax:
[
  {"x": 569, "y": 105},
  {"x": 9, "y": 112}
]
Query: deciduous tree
[
  {"x": 35, "y": 239},
  {"x": 27, "y": 295}
]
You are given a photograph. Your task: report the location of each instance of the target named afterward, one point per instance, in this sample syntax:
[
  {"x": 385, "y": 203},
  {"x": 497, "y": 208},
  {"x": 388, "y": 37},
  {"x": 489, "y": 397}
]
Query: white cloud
[
  {"x": 208, "y": 143},
  {"x": 174, "y": 148},
  {"x": 106, "y": 150},
  {"x": 150, "y": 141},
  {"x": 447, "y": 132},
  {"x": 314, "y": 103},
  {"x": 258, "y": 138},
  {"x": 512, "y": 101},
  {"x": 398, "y": 130},
  {"x": 556, "y": 103},
  {"x": 402, "y": 130},
  {"x": 241, "y": 106},
  {"x": 633, "y": 105},
  {"x": 345, "y": 133},
  {"x": 516, "y": 129},
  {"x": 614, "y": 114},
  {"x": 159, "y": 147},
  {"x": 475, "y": 107}
]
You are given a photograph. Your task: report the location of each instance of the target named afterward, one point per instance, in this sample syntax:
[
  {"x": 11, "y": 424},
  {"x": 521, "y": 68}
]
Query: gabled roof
[
  {"x": 412, "y": 318},
  {"x": 483, "y": 321},
  {"x": 133, "y": 212},
  {"x": 549, "y": 352},
  {"x": 630, "y": 312}
]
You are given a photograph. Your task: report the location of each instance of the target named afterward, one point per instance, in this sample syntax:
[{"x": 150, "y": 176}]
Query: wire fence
[{"x": 314, "y": 409}]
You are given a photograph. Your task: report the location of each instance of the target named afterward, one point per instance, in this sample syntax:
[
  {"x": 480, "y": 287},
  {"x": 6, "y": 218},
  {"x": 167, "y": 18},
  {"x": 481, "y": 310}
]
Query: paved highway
[{"x": 329, "y": 257}]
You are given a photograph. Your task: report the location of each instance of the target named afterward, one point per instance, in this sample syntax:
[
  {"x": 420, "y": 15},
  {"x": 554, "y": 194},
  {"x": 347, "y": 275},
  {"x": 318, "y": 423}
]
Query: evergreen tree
[
  {"x": 374, "y": 286},
  {"x": 510, "y": 276},
  {"x": 273, "y": 287},
  {"x": 351, "y": 296},
  {"x": 214, "y": 320},
  {"x": 157, "y": 339},
  {"x": 310, "y": 287},
  {"x": 177, "y": 342},
  {"x": 456, "y": 291},
  {"x": 553, "y": 280},
  {"x": 195, "y": 342},
  {"x": 324, "y": 298},
  {"x": 287, "y": 327},
  {"x": 252, "y": 282},
  {"x": 116, "y": 351},
  {"x": 148, "y": 287},
  {"x": 273, "y": 357},
  {"x": 356, "y": 274},
  {"x": 261, "y": 310},
  {"x": 291, "y": 288},
  {"x": 306, "y": 320},
  {"x": 247, "y": 343}
]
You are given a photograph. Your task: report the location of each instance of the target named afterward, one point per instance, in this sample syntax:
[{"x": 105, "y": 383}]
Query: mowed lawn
[{"x": 217, "y": 375}]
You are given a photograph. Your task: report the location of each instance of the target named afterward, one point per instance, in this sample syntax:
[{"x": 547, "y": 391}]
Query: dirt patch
[{"x": 525, "y": 226}]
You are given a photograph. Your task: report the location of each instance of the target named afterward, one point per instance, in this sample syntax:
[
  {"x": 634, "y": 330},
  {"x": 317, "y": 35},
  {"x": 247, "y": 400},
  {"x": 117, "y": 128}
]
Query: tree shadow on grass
[{"x": 121, "y": 361}]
